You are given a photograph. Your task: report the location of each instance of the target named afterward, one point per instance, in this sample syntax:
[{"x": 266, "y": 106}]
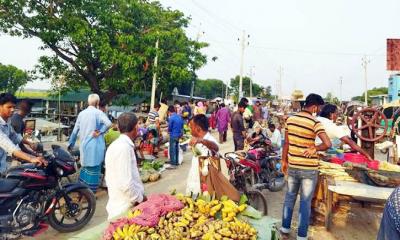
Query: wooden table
[{"x": 356, "y": 191}]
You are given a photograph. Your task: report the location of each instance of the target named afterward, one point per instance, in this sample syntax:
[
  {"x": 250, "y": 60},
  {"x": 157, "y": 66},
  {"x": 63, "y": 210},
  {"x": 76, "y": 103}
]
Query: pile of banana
[
  {"x": 199, "y": 219},
  {"x": 135, "y": 232}
]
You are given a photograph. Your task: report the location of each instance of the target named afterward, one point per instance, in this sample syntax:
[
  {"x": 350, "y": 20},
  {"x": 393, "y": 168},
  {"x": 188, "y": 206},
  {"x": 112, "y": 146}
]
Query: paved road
[{"x": 360, "y": 224}]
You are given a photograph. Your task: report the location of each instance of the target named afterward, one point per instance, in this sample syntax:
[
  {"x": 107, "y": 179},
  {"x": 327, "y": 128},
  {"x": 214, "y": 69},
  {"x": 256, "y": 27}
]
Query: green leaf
[{"x": 252, "y": 213}]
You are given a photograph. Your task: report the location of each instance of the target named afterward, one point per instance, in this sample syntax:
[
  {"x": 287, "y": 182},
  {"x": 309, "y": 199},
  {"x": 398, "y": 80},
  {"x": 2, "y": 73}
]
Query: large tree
[
  {"x": 210, "y": 88},
  {"x": 372, "y": 92},
  {"x": 12, "y": 78},
  {"x": 106, "y": 45}
]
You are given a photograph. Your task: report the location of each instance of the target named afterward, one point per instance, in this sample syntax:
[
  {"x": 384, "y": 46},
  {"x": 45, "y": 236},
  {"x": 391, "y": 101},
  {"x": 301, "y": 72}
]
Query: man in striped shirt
[{"x": 300, "y": 156}]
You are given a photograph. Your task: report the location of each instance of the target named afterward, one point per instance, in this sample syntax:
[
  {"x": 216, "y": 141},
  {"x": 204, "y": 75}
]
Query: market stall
[
  {"x": 343, "y": 184},
  {"x": 349, "y": 177},
  {"x": 165, "y": 216}
]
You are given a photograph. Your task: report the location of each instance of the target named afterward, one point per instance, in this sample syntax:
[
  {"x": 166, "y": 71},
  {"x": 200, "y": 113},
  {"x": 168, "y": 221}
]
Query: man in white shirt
[
  {"x": 276, "y": 137},
  {"x": 337, "y": 134},
  {"x": 125, "y": 188}
]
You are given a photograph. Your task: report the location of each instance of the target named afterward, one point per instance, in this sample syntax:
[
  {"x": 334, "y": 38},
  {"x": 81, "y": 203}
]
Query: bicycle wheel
[{"x": 258, "y": 201}]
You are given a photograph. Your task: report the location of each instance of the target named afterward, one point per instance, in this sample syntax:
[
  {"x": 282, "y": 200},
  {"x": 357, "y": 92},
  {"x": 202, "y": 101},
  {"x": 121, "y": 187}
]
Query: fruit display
[{"x": 200, "y": 218}]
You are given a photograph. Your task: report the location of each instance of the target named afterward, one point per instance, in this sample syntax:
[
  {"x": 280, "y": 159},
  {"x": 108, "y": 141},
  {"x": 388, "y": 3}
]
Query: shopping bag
[
  {"x": 180, "y": 155},
  {"x": 215, "y": 180}
]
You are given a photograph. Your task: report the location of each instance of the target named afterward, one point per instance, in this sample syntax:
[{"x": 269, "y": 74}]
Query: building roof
[
  {"x": 71, "y": 96},
  {"x": 379, "y": 96},
  {"x": 80, "y": 96}
]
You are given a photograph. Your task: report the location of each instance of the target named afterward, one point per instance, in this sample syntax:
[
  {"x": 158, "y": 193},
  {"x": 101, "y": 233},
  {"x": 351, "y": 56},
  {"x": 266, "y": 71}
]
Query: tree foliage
[
  {"x": 234, "y": 87},
  {"x": 12, "y": 78},
  {"x": 330, "y": 98},
  {"x": 106, "y": 45},
  {"x": 210, "y": 88},
  {"x": 372, "y": 92}
]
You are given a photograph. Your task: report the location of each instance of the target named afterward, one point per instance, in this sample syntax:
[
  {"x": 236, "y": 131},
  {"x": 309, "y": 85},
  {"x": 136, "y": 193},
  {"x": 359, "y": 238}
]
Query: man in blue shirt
[
  {"x": 91, "y": 125},
  {"x": 175, "y": 129}
]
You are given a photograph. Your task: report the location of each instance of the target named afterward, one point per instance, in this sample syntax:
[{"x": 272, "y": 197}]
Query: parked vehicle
[
  {"x": 239, "y": 177},
  {"x": 264, "y": 168},
  {"x": 32, "y": 196}
]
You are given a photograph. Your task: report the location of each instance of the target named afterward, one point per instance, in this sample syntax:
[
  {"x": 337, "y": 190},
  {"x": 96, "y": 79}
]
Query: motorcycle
[
  {"x": 263, "y": 168},
  {"x": 32, "y": 196},
  {"x": 238, "y": 176}
]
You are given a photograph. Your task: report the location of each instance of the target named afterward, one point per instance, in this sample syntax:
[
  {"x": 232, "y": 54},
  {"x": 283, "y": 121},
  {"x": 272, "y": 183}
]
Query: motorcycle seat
[
  {"x": 7, "y": 185},
  {"x": 22, "y": 167}
]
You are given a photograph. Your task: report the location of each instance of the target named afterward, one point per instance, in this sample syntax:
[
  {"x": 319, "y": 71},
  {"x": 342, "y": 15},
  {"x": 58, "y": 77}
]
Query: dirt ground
[{"x": 352, "y": 222}]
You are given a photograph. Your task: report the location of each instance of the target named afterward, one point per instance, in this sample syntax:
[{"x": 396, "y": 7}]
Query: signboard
[{"x": 393, "y": 54}]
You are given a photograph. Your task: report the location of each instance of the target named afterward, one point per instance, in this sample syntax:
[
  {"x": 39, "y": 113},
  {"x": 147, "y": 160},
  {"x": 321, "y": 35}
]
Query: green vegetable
[
  {"x": 158, "y": 164},
  {"x": 147, "y": 165}
]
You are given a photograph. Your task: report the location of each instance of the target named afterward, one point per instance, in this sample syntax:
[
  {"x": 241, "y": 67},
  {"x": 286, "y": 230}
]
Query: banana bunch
[
  {"x": 228, "y": 207},
  {"x": 231, "y": 209},
  {"x": 134, "y": 232},
  {"x": 132, "y": 214},
  {"x": 225, "y": 231},
  {"x": 177, "y": 225}
]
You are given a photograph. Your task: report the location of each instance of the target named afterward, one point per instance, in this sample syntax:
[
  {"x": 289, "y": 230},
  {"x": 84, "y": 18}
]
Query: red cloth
[
  {"x": 212, "y": 121},
  {"x": 157, "y": 205},
  {"x": 356, "y": 158}
]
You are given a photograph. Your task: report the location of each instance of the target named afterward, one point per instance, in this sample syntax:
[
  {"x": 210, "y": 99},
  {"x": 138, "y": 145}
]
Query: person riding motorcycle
[{"x": 11, "y": 143}]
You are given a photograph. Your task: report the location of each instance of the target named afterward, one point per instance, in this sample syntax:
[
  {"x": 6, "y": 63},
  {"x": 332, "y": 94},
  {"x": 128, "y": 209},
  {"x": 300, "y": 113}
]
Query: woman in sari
[{"x": 223, "y": 118}]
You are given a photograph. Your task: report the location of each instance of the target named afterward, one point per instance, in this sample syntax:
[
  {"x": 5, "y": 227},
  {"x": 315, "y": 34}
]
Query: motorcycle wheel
[
  {"x": 74, "y": 217},
  {"x": 258, "y": 201}
]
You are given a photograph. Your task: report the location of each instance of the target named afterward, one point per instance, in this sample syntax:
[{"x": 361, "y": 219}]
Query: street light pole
[
  {"x": 279, "y": 85},
  {"x": 153, "y": 85},
  {"x": 365, "y": 62},
  {"x": 243, "y": 46},
  {"x": 340, "y": 89},
  {"x": 194, "y": 73},
  {"x": 251, "y": 80}
]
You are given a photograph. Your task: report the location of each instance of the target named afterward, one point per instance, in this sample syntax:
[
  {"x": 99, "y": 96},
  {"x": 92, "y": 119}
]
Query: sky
[{"x": 315, "y": 42}]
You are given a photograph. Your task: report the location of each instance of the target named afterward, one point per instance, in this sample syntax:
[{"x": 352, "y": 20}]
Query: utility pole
[
  {"x": 340, "y": 88},
  {"x": 365, "y": 61},
  {"x": 226, "y": 92},
  {"x": 199, "y": 33},
  {"x": 279, "y": 84},
  {"x": 153, "y": 85},
  {"x": 251, "y": 80},
  {"x": 243, "y": 41}
]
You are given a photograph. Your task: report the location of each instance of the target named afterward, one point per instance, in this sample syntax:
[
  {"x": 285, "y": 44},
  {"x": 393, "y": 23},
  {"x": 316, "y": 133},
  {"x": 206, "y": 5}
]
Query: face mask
[{"x": 315, "y": 113}]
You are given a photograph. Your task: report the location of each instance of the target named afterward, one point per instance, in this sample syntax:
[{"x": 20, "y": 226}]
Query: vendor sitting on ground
[
  {"x": 337, "y": 134},
  {"x": 276, "y": 137},
  {"x": 258, "y": 137},
  {"x": 149, "y": 143}
]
